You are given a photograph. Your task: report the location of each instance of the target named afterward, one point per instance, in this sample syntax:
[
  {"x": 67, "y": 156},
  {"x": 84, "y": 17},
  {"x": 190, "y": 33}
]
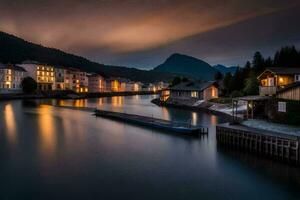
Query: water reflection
[
  {"x": 213, "y": 120},
  {"x": 100, "y": 102},
  {"x": 47, "y": 131},
  {"x": 165, "y": 113},
  {"x": 10, "y": 124},
  {"x": 80, "y": 103},
  {"x": 117, "y": 101},
  {"x": 194, "y": 118}
]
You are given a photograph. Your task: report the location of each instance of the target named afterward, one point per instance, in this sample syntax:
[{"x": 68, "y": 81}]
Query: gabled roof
[
  {"x": 193, "y": 86},
  {"x": 281, "y": 70},
  {"x": 289, "y": 86},
  {"x": 12, "y": 67}
]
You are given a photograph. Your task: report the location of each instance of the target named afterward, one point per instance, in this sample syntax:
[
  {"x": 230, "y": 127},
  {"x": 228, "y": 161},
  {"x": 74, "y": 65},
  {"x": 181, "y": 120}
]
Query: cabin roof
[
  {"x": 281, "y": 70},
  {"x": 289, "y": 86},
  {"x": 193, "y": 86},
  {"x": 11, "y": 66}
]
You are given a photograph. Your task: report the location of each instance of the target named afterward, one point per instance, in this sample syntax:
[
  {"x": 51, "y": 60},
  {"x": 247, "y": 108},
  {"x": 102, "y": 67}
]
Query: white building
[
  {"x": 133, "y": 86},
  {"x": 11, "y": 77},
  {"x": 43, "y": 74},
  {"x": 76, "y": 80}
]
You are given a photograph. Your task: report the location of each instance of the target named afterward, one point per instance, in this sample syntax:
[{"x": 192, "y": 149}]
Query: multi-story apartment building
[
  {"x": 43, "y": 74},
  {"x": 76, "y": 80},
  {"x": 11, "y": 77},
  {"x": 117, "y": 85},
  {"x": 60, "y": 73},
  {"x": 133, "y": 86},
  {"x": 96, "y": 83}
]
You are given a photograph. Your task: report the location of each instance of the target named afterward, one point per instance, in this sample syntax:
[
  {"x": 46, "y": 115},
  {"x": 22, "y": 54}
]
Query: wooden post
[
  {"x": 252, "y": 109},
  {"x": 247, "y": 110}
]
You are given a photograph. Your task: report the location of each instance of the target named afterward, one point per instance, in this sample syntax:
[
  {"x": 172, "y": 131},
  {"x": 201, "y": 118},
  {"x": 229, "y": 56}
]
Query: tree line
[{"x": 244, "y": 80}]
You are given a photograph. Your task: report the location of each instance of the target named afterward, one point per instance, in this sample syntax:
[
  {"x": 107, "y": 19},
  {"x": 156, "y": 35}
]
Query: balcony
[{"x": 267, "y": 90}]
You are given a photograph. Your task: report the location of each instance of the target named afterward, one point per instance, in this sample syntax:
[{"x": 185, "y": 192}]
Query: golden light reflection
[
  {"x": 10, "y": 123},
  {"x": 213, "y": 120},
  {"x": 117, "y": 101},
  {"x": 61, "y": 102},
  {"x": 47, "y": 130},
  {"x": 80, "y": 103},
  {"x": 166, "y": 114},
  {"x": 194, "y": 118},
  {"x": 136, "y": 97},
  {"x": 100, "y": 102}
]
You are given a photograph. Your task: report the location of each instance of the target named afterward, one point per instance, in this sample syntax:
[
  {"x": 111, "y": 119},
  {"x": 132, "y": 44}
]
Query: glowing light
[
  {"x": 194, "y": 118},
  {"x": 10, "y": 123},
  {"x": 213, "y": 92},
  {"x": 213, "y": 120},
  {"x": 117, "y": 101},
  {"x": 47, "y": 131},
  {"x": 194, "y": 94},
  {"x": 281, "y": 80}
]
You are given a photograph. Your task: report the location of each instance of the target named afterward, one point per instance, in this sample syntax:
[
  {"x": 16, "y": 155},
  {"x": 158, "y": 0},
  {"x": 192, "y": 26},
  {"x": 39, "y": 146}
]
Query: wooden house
[
  {"x": 191, "y": 92},
  {"x": 275, "y": 79},
  {"x": 290, "y": 92}
]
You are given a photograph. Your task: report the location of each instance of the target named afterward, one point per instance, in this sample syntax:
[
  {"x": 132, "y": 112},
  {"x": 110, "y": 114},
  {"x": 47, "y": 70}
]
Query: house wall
[
  {"x": 31, "y": 70},
  {"x": 184, "y": 95},
  {"x": 291, "y": 94},
  {"x": 42, "y": 74},
  {"x": 210, "y": 93},
  {"x": 96, "y": 84},
  {"x": 10, "y": 80},
  {"x": 290, "y": 116},
  {"x": 59, "y": 79},
  {"x": 76, "y": 80}
]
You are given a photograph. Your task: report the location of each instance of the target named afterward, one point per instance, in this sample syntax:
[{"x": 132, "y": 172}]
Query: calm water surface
[{"x": 48, "y": 152}]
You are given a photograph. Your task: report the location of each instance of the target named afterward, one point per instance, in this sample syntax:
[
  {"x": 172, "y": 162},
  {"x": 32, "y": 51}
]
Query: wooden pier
[
  {"x": 279, "y": 146},
  {"x": 172, "y": 126}
]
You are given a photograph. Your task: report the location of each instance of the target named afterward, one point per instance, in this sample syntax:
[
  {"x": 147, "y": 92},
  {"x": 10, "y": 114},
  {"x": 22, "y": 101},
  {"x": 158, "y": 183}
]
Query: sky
[{"x": 143, "y": 33}]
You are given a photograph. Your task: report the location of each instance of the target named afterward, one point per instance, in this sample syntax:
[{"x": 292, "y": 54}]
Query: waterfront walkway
[{"x": 274, "y": 127}]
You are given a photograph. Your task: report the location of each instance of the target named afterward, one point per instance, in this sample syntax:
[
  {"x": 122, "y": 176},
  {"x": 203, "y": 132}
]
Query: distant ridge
[
  {"x": 16, "y": 50},
  {"x": 187, "y": 66},
  {"x": 224, "y": 70}
]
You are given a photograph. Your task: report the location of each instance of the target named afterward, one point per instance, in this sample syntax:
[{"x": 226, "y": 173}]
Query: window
[
  {"x": 194, "y": 94},
  {"x": 281, "y": 106}
]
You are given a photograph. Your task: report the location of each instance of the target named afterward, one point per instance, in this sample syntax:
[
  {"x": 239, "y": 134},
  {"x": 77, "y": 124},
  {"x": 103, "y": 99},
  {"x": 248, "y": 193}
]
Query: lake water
[{"x": 48, "y": 152}]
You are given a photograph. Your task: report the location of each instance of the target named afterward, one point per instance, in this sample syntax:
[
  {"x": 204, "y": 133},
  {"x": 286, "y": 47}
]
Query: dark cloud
[{"x": 141, "y": 32}]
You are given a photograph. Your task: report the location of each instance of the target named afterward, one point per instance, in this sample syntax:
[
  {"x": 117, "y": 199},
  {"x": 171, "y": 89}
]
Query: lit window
[{"x": 194, "y": 94}]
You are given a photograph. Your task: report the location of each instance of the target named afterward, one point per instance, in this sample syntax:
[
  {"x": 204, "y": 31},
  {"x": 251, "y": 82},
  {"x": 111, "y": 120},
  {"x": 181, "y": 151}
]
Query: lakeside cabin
[
  {"x": 190, "y": 92},
  {"x": 274, "y": 79}
]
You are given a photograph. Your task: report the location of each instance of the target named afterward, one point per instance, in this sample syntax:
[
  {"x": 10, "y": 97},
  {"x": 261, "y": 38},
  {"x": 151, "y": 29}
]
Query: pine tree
[{"x": 258, "y": 62}]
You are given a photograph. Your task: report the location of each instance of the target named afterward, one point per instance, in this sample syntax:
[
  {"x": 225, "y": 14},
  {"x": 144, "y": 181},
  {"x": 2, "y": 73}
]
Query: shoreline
[
  {"x": 193, "y": 108},
  {"x": 71, "y": 95}
]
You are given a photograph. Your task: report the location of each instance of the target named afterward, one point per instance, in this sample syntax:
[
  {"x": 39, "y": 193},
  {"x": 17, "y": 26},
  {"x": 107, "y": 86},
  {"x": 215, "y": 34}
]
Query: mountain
[
  {"x": 224, "y": 70},
  {"x": 187, "y": 66},
  {"x": 16, "y": 50}
]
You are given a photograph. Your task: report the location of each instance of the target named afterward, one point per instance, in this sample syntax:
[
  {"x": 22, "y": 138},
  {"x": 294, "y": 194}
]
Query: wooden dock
[
  {"x": 172, "y": 126},
  {"x": 284, "y": 147}
]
